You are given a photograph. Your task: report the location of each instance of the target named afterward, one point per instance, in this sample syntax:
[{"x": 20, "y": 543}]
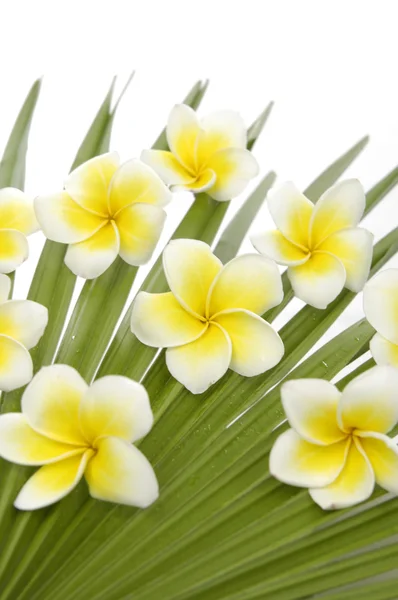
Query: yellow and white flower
[
  {"x": 17, "y": 220},
  {"x": 208, "y": 155},
  {"x": 22, "y": 324},
  {"x": 210, "y": 321},
  {"x": 380, "y": 302},
  {"x": 338, "y": 446},
  {"x": 105, "y": 210},
  {"x": 71, "y": 429},
  {"x": 321, "y": 245}
]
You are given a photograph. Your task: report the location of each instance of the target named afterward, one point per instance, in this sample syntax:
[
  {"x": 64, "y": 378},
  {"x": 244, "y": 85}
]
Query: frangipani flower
[
  {"x": 17, "y": 220},
  {"x": 380, "y": 302},
  {"x": 338, "y": 445},
  {"x": 22, "y": 324},
  {"x": 321, "y": 245},
  {"x": 105, "y": 210},
  {"x": 206, "y": 155},
  {"x": 73, "y": 429},
  {"x": 210, "y": 321}
]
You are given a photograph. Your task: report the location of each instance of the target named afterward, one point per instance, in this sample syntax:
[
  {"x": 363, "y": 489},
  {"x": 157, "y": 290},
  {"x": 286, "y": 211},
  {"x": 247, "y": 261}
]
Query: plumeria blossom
[
  {"x": 321, "y": 245},
  {"x": 338, "y": 445},
  {"x": 106, "y": 209},
  {"x": 380, "y": 301},
  {"x": 208, "y": 155},
  {"x": 72, "y": 430},
  {"x": 210, "y": 321},
  {"x": 22, "y": 324},
  {"x": 17, "y": 220}
]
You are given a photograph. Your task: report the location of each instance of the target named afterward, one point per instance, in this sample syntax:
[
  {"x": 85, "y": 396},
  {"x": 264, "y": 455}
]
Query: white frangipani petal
[
  {"x": 160, "y": 321},
  {"x": 319, "y": 280},
  {"x": 16, "y": 367},
  {"x": 51, "y": 403},
  {"x": 256, "y": 347},
  {"x": 291, "y": 212},
  {"x": 382, "y": 453},
  {"x": 274, "y": 245},
  {"x": 354, "y": 248},
  {"x": 341, "y": 206},
  {"x": 354, "y": 484},
  {"x": 311, "y": 408},
  {"x": 63, "y": 220},
  {"x": 89, "y": 183},
  {"x": 115, "y": 406},
  {"x": 380, "y": 303},
  {"x": 383, "y": 351},
  {"x": 370, "y": 401},
  {"x": 234, "y": 168},
  {"x": 14, "y": 249},
  {"x": 21, "y": 444},
  {"x": 190, "y": 268},
  {"x": 295, "y": 461},
  {"x": 52, "y": 482},
  {"x": 120, "y": 473},
  {"x": 203, "y": 362},
  {"x": 182, "y": 132},
  {"x": 16, "y": 211},
  {"x": 251, "y": 282},
  {"x": 139, "y": 227},
  {"x": 92, "y": 257},
  {"x": 24, "y": 321}
]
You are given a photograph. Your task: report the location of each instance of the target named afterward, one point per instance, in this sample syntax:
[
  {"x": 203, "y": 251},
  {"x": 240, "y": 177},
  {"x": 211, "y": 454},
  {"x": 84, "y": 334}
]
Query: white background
[{"x": 330, "y": 66}]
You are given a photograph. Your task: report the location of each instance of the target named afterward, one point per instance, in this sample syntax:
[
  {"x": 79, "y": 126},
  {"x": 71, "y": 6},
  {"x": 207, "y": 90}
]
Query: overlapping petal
[
  {"x": 88, "y": 185},
  {"x": 182, "y": 132},
  {"x": 291, "y": 212},
  {"x": 256, "y": 347},
  {"x": 190, "y": 268},
  {"x": 24, "y": 321},
  {"x": 383, "y": 351},
  {"x": 63, "y": 220},
  {"x": 135, "y": 182},
  {"x": 93, "y": 256},
  {"x": 203, "y": 362},
  {"x": 219, "y": 130},
  {"x": 380, "y": 302},
  {"x": 159, "y": 320},
  {"x": 51, "y": 403},
  {"x": 52, "y": 482},
  {"x": 340, "y": 207},
  {"x": 115, "y": 406},
  {"x": 319, "y": 280},
  {"x": 16, "y": 211},
  {"x": 120, "y": 473},
  {"x": 296, "y": 461},
  {"x": 16, "y": 367},
  {"x": 311, "y": 407},
  {"x": 274, "y": 245},
  {"x": 382, "y": 453},
  {"x": 354, "y": 484},
  {"x": 354, "y": 248},
  {"x": 203, "y": 182},
  {"x": 14, "y": 249},
  {"x": 169, "y": 169},
  {"x": 21, "y": 444},
  {"x": 370, "y": 401},
  {"x": 234, "y": 168},
  {"x": 251, "y": 282},
  {"x": 139, "y": 227}
]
